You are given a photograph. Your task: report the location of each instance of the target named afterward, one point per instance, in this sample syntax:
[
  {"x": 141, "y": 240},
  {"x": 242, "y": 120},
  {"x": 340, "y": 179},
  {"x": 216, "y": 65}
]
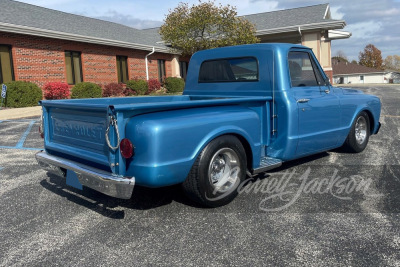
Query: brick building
[{"x": 43, "y": 45}]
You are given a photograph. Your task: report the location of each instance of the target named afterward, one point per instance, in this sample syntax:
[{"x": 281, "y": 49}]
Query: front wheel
[
  {"x": 217, "y": 172},
  {"x": 358, "y": 137}
]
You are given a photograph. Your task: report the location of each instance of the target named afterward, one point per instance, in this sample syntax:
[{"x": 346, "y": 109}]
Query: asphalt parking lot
[{"x": 356, "y": 221}]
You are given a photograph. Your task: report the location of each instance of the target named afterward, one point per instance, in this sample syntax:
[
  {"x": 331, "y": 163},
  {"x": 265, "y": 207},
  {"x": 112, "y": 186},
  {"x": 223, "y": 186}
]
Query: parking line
[
  {"x": 21, "y": 141},
  {"x": 22, "y": 148},
  {"x": 18, "y": 120},
  {"x": 20, "y": 144}
]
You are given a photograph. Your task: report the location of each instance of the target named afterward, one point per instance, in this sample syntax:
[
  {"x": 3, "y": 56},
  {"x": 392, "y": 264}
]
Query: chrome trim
[
  {"x": 303, "y": 100},
  {"x": 99, "y": 180},
  {"x": 223, "y": 171},
  {"x": 266, "y": 164},
  {"x": 361, "y": 130}
]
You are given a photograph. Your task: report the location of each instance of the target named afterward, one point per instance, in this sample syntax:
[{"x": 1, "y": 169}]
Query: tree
[
  {"x": 392, "y": 62},
  {"x": 340, "y": 56},
  {"x": 204, "y": 26},
  {"x": 354, "y": 61},
  {"x": 371, "y": 57}
]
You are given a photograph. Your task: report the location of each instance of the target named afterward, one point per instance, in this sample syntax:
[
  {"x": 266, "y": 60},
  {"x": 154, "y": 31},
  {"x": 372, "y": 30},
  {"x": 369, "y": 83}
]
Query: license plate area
[{"x": 72, "y": 180}]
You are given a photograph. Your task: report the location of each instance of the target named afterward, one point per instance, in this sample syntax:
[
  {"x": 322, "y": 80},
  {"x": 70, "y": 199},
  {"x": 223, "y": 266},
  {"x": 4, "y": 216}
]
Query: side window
[
  {"x": 6, "y": 68},
  {"x": 74, "y": 67},
  {"x": 183, "y": 68},
  {"x": 122, "y": 69},
  {"x": 229, "y": 70},
  {"x": 161, "y": 69},
  {"x": 303, "y": 70}
]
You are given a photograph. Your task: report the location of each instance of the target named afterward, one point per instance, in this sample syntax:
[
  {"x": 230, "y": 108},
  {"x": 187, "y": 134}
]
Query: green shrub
[
  {"x": 22, "y": 94},
  {"x": 86, "y": 90},
  {"x": 174, "y": 85},
  {"x": 136, "y": 87}
]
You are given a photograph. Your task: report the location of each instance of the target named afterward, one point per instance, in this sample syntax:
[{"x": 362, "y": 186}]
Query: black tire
[
  {"x": 205, "y": 182},
  {"x": 358, "y": 137}
]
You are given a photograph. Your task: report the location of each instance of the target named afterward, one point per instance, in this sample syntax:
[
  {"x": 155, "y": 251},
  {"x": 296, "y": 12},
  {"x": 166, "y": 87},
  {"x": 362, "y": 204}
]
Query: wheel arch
[
  {"x": 243, "y": 140},
  {"x": 371, "y": 120},
  {"x": 247, "y": 149}
]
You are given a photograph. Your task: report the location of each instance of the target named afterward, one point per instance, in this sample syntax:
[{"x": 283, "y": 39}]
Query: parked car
[{"x": 245, "y": 109}]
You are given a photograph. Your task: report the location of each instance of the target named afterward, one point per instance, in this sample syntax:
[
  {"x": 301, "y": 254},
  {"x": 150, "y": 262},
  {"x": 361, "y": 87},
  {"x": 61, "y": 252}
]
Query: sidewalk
[{"x": 19, "y": 113}]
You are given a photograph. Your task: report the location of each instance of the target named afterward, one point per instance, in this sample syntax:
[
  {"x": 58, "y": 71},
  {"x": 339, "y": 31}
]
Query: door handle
[
  {"x": 303, "y": 100},
  {"x": 327, "y": 91}
]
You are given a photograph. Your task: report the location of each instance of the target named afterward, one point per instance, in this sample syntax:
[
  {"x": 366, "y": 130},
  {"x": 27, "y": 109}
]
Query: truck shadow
[{"x": 142, "y": 198}]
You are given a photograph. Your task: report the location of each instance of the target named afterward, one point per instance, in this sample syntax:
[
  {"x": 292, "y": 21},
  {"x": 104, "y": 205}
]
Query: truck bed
[{"x": 76, "y": 128}]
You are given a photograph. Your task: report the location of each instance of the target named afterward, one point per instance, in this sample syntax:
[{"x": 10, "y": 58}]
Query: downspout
[{"x": 147, "y": 65}]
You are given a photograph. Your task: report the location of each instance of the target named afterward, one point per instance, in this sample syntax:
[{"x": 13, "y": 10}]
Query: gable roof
[
  {"x": 307, "y": 18},
  {"x": 346, "y": 68},
  {"x": 39, "y": 21},
  {"x": 34, "y": 20}
]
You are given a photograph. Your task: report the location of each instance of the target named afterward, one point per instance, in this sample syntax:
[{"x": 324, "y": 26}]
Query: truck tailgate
[{"x": 78, "y": 135}]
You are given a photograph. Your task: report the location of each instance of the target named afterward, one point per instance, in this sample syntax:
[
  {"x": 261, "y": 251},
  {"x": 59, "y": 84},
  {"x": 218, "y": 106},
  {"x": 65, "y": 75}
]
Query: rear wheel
[
  {"x": 217, "y": 172},
  {"x": 358, "y": 137}
]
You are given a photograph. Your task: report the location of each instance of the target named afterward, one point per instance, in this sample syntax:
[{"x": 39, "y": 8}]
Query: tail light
[{"x": 126, "y": 148}]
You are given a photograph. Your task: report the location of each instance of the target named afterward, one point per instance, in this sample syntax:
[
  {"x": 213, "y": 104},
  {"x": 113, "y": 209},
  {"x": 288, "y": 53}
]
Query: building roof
[
  {"x": 307, "y": 18},
  {"x": 34, "y": 20},
  {"x": 347, "y": 68},
  {"x": 29, "y": 19},
  {"x": 392, "y": 71}
]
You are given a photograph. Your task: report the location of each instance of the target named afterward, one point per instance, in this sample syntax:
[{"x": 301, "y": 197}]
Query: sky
[{"x": 369, "y": 21}]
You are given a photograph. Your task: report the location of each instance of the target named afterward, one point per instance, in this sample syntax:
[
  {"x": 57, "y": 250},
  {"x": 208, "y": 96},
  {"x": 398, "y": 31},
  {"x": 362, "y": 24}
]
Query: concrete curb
[{"x": 19, "y": 113}]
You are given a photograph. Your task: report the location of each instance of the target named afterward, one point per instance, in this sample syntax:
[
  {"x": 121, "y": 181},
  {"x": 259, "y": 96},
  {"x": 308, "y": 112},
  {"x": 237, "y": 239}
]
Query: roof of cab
[{"x": 238, "y": 50}]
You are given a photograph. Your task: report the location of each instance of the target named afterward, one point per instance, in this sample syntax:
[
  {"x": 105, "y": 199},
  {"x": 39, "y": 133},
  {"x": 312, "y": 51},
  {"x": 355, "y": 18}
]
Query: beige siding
[
  {"x": 312, "y": 40},
  {"x": 175, "y": 67},
  {"x": 326, "y": 54}
]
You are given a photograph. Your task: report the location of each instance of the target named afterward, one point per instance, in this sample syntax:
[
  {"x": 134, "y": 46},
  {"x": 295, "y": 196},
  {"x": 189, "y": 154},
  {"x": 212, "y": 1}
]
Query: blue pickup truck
[{"x": 245, "y": 110}]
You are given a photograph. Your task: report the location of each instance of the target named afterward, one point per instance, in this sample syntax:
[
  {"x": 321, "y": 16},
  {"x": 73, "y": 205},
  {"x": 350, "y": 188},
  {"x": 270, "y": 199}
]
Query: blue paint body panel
[{"x": 169, "y": 132}]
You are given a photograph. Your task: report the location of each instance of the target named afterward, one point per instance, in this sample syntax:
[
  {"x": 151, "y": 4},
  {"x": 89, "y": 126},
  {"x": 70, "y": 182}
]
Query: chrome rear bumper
[{"x": 99, "y": 180}]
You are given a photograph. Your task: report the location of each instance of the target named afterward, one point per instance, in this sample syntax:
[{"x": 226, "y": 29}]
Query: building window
[
  {"x": 122, "y": 69},
  {"x": 183, "y": 68},
  {"x": 161, "y": 69},
  {"x": 229, "y": 70},
  {"x": 74, "y": 67},
  {"x": 362, "y": 78},
  {"x": 6, "y": 67}
]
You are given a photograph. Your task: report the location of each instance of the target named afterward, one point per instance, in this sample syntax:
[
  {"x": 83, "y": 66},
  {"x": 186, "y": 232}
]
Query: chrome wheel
[
  {"x": 217, "y": 172},
  {"x": 361, "y": 130},
  {"x": 223, "y": 171}
]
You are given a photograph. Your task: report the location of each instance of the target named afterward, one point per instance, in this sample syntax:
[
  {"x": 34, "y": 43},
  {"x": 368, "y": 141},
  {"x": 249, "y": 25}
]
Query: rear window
[{"x": 244, "y": 69}]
